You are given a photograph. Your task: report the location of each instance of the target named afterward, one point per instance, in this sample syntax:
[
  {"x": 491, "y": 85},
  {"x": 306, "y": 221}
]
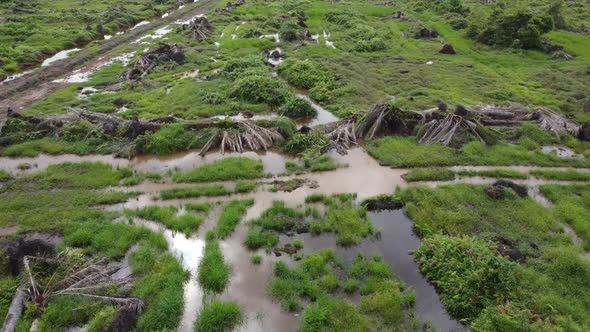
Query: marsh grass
[
  {"x": 457, "y": 219},
  {"x": 232, "y": 168},
  {"x": 405, "y": 152},
  {"x": 230, "y": 217},
  {"x": 214, "y": 272},
  {"x": 169, "y": 217},
  {"x": 384, "y": 303},
  {"x": 195, "y": 192},
  {"x": 445, "y": 174},
  {"x": 568, "y": 175},
  {"x": 219, "y": 316}
]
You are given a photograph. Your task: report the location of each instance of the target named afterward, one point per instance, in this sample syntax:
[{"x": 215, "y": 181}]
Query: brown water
[{"x": 394, "y": 246}]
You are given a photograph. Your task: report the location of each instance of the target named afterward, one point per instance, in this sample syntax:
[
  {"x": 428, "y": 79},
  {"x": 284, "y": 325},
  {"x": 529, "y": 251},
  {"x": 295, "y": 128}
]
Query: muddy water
[
  {"x": 189, "y": 251},
  {"x": 397, "y": 240},
  {"x": 324, "y": 116},
  {"x": 249, "y": 287},
  {"x": 363, "y": 176},
  {"x": 273, "y": 162}
]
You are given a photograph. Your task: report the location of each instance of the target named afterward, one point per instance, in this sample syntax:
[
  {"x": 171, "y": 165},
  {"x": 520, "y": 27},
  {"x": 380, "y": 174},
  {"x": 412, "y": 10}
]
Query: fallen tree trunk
[{"x": 16, "y": 309}]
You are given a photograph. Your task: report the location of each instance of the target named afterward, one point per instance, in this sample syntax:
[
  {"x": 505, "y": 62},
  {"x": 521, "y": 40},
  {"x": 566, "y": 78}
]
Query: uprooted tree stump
[
  {"x": 151, "y": 59},
  {"x": 199, "y": 28},
  {"x": 238, "y": 136},
  {"x": 453, "y": 130},
  {"x": 385, "y": 119}
]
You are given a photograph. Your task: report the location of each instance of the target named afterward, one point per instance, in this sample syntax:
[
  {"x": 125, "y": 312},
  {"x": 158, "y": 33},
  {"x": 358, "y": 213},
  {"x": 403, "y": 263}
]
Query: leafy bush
[
  {"x": 171, "y": 138},
  {"x": 301, "y": 142},
  {"x": 468, "y": 273},
  {"x": 237, "y": 65},
  {"x": 514, "y": 26},
  {"x": 304, "y": 74},
  {"x": 298, "y": 108},
  {"x": 260, "y": 87}
]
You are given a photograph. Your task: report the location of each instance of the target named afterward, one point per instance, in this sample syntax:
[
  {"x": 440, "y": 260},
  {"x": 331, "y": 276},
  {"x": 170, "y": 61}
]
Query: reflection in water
[
  {"x": 397, "y": 240},
  {"x": 189, "y": 251}
]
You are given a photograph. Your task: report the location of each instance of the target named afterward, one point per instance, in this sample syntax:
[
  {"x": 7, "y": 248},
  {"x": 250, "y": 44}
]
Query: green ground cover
[
  {"x": 233, "y": 168},
  {"x": 42, "y": 28},
  {"x": 519, "y": 269},
  {"x": 44, "y": 202}
]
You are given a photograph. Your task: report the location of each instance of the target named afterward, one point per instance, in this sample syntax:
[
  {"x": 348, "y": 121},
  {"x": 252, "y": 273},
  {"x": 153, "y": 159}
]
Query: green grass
[
  {"x": 245, "y": 186},
  {"x": 405, "y": 152},
  {"x": 8, "y": 286},
  {"x": 256, "y": 260},
  {"x": 219, "y": 316},
  {"x": 232, "y": 168},
  {"x": 546, "y": 279},
  {"x": 572, "y": 207},
  {"x": 384, "y": 302},
  {"x": 257, "y": 238},
  {"x": 494, "y": 173},
  {"x": 568, "y": 175},
  {"x": 444, "y": 174},
  {"x": 52, "y": 27},
  {"x": 168, "y": 216},
  {"x": 84, "y": 175},
  {"x": 322, "y": 163},
  {"x": 198, "y": 207},
  {"x": 195, "y": 192},
  {"x": 429, "y": 174},
  {"x": 469, "y": 273},
  {"x": 214, "y": 272},
  {"x": 161, "y": 287},
  {"x": 230, "y": 217},
  {"x": 4, "y": 175}
]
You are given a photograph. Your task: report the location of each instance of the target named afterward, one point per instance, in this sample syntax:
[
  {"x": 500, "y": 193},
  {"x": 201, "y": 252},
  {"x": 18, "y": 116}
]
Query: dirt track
[{"x": 27, "y": 89}]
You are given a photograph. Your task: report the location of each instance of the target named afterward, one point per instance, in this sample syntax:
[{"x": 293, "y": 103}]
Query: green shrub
[
  {"x": 219, "y": 316},
  {"x": 171, "y": 138},
  {"x": 260, "y": 87},
  {"x": 301, "y": 142},
  {"x": 468, "y": 272},
  {"x": 257, "y": 238},
  {"x": 298, "y": 108},
  {"x": 304, "y": 74},
  {"x": 512, "y": 26},
  {"x": 289, "y": 31}
]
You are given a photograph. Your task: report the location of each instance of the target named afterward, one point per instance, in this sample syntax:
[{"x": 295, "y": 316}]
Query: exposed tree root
[
  {"x": 199, "y": 28},
  {"x": 150, "y": 60},
  {"x": 70, "y": 278},
  {"x": 242, "y": 135},
  {"x": 453, "y": 130},
  {"x": 385, "y": 119}
]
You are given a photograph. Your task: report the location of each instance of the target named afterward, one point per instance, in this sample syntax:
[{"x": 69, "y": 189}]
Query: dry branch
[
  {"x": 451, "y": 131},
  {"x": 238, "y": 136}
]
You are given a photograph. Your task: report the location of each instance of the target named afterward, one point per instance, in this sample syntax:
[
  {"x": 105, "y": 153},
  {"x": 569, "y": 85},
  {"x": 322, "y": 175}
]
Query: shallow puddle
[{"x": 58, "y": 56}]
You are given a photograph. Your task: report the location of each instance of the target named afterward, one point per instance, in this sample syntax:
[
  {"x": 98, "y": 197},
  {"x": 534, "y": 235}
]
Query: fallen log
[{"x": 16, "y": 309}]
